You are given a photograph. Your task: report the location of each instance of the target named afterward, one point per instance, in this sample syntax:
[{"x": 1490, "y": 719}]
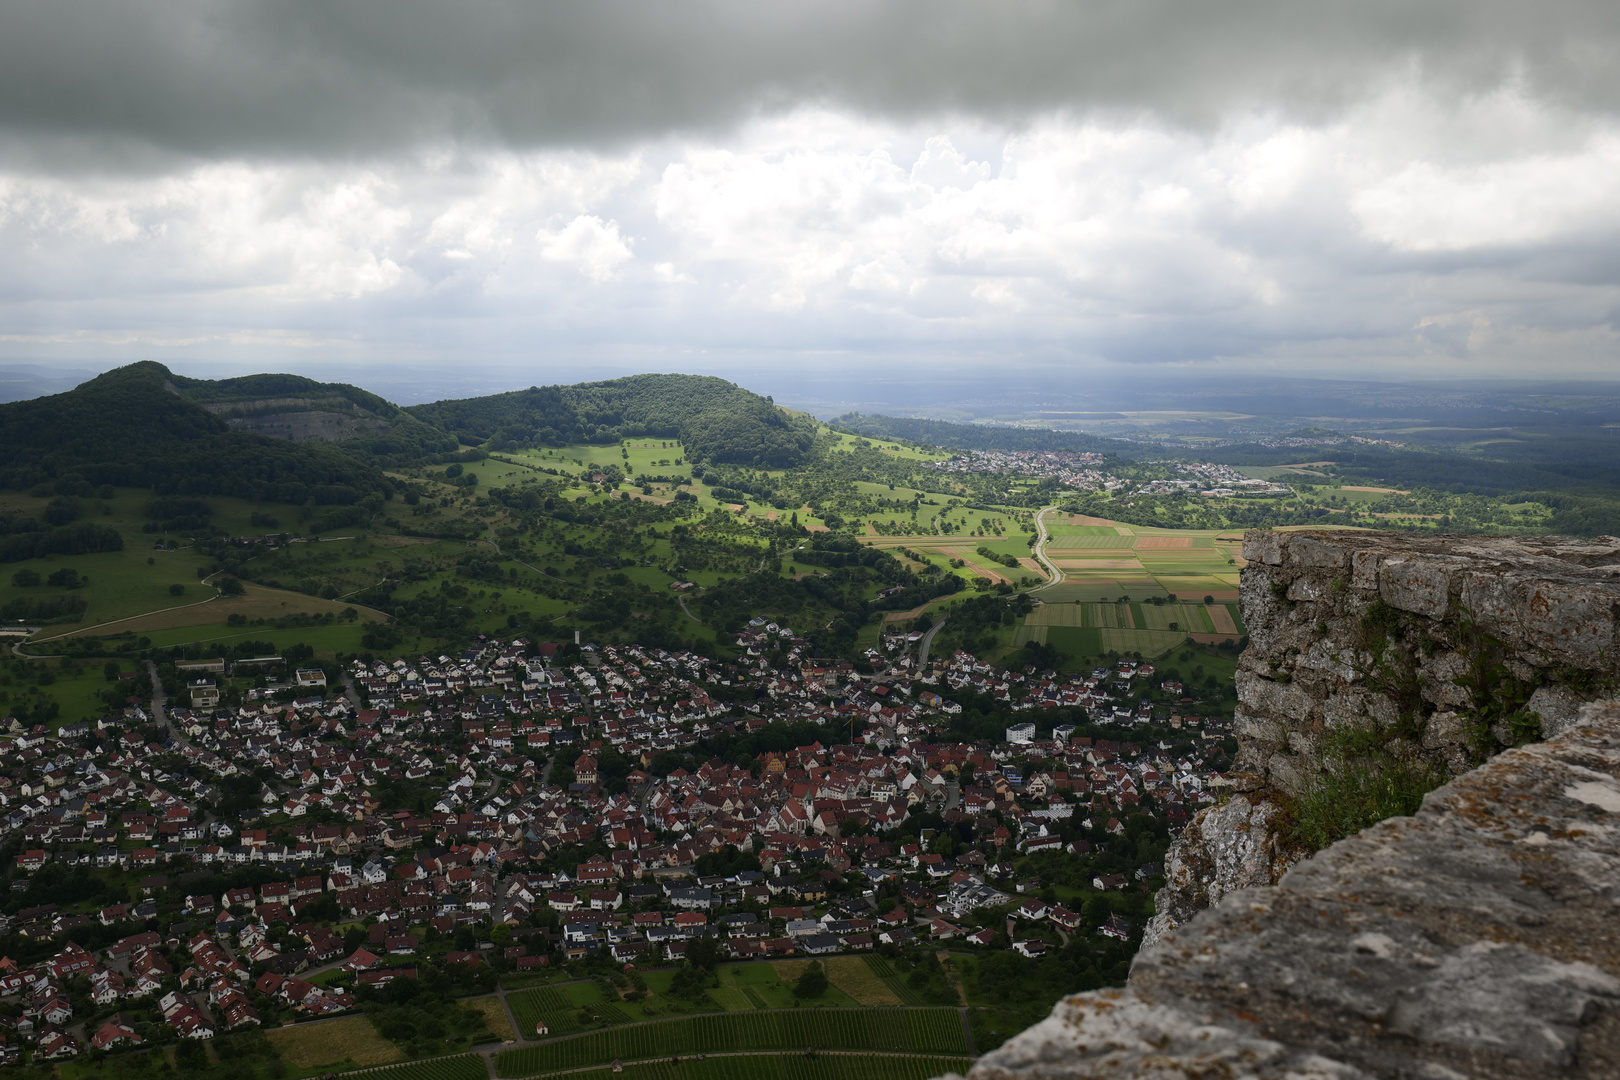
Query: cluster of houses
[
  {"x": 483, "y": 732},
  {"x": 131, "y": 969},
  {"x": 1073, "y": 469}
]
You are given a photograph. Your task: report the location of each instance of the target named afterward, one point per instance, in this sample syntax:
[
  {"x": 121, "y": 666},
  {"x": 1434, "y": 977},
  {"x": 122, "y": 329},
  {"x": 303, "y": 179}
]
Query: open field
[
  {"x": 799, "y": 1066},
  {"x": 257, "y": 602},
  {"x": 349, "y": 1043},
  {"x": 325, "y": 640},
  {"x": 893, "y": 1031}
]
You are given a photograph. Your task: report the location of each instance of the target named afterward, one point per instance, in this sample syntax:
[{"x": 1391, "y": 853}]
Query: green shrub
[{"x": 1361, "y": 783}]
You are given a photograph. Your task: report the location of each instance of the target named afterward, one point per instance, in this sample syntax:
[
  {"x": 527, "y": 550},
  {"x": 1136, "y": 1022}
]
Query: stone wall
[
  {"x": 1378, "y": 650},
  {"x": 1477, "y": 938}
]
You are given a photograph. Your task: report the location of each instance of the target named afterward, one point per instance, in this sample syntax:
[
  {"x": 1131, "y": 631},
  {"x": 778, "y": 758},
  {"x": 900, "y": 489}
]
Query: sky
[{"x": 809, "y": 195}]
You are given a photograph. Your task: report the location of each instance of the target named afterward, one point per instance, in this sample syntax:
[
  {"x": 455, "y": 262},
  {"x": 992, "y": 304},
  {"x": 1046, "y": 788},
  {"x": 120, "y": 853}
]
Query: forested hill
[
  {"x": 951, "y": 436},
  {"x": 717, "y": 421},
  {"x": 295, "y": 408},
  {"x": 130, "y": 427}
]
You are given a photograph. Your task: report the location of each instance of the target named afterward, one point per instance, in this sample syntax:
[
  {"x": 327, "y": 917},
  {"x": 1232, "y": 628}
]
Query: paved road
[
  {"x": 1040, "y": 552},
  {"x": 159, "y": 714},
  {"x": 927, "y": 642},
  {"x": 350, "y": 691}
]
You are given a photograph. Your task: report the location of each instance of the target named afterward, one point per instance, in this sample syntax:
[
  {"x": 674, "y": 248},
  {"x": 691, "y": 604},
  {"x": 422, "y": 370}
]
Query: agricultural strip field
[
  {"x": 560, "y": 1014},
  {"x": 880, "y": 967},
  {"x": 459, "y": 1067},
  {"x": 1092, "y": 565},
  {"x": 860, "y": 982},
  {"x": 937, "y": 1030},
  {"x": 1194, "y": 618},
  {"x": 1096, "y": 589},
  {"x": 351, "y": 1042},
  {"x": 1093, "y": 641},
  {"x": 799, "y": 1066},
  {"x": 1071, "y": 542}
]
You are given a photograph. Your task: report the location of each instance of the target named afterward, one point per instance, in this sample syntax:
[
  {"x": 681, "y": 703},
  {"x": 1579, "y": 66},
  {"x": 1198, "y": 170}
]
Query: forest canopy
[
  {"x": 131, "y": 428},
  {"x": 717, "y": 421}
]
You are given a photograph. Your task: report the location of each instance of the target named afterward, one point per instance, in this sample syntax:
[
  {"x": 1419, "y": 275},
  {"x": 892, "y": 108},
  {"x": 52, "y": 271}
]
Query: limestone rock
[
  {"x": 1225, "y": 848},
  {"x": 1479, "y": 938},
  {"x": 1540, "y": 609},
  {"x": 1118, "y": 1034}
]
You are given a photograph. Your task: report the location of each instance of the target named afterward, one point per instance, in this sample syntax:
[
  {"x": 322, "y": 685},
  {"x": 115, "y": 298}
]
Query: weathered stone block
[
  {"x": 1309, "y": 551},
  {"x": 1557, "y": 708},
  {"x": 1571, "y": 622},
  {"x": 1364, "y": 574},
  {"x": 1262, "y": 547},
  {"x": 1415, "y": 584},
  {"x": 1285, "y": 701}
]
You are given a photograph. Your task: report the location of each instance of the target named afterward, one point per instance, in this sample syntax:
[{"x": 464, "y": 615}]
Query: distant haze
[{"x": 832, "y": 201}]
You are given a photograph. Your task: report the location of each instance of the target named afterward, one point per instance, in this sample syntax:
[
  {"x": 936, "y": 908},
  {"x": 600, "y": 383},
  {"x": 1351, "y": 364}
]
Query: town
[{"x": 184, "y": 871}]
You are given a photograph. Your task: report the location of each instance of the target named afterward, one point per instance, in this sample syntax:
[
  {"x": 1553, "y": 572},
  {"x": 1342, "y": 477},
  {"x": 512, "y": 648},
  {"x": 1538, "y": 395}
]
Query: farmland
[
  {"x": 839, "y": 1065},
  {"x": 494, "y": 1015},
  {"x": 458, "y": 1067},
  {"x": 352, "y": 1042},
  {"x": 911, "y": 1031}
]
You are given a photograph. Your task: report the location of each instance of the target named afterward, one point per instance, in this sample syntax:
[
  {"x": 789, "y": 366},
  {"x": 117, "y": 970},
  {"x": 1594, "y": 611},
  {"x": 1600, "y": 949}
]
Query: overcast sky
[{"x": 506, "y": 193}]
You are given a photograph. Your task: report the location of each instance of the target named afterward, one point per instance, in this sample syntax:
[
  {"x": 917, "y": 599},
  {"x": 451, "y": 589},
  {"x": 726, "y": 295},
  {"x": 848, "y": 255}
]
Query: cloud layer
[{"x": 1422, "y": 187}]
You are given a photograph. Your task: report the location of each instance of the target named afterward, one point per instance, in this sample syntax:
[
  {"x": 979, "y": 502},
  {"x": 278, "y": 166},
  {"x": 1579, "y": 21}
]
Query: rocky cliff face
[
  {"x": 1380, "y": 665},
  {"x": 1478, "y": 938}
]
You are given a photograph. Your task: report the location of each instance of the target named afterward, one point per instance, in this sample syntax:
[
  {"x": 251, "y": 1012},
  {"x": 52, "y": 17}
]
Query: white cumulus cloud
[{"x": 588, "y": 243}]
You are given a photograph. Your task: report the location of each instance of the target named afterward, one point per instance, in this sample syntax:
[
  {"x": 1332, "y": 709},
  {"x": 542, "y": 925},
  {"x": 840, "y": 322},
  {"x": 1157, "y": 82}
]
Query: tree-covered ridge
[
  {"x": 980, "y": 436},
  {"x": 716, "y": 421},
  {"x": 128, "y": 428},
  {"x": 291, "y": 406}
]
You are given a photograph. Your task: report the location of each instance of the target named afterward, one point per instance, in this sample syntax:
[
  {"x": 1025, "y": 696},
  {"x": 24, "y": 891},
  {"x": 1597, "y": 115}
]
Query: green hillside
[
  {"x": 715, "y": 420},
  {"x": 131, "y": 427},
  {"x": 294, "y": 408}
]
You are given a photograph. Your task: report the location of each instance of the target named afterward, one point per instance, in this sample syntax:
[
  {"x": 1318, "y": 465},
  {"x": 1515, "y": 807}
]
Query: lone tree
[{"x": 813, "y": 983}]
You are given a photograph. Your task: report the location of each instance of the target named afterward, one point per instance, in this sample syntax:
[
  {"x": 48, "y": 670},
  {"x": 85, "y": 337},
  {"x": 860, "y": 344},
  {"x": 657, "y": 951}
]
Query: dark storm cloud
[{"x": 362, "y": 76}]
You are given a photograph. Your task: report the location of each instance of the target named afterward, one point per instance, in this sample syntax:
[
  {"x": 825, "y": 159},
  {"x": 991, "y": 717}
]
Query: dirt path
[
  {"x": 130, "y": 618},
  {"x": 984, "y": 571}
]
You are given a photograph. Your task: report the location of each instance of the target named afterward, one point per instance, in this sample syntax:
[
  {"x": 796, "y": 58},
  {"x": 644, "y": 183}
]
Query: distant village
[
  {"x": 1086, "y": 472},
  {"x": 520, "y": 754}
]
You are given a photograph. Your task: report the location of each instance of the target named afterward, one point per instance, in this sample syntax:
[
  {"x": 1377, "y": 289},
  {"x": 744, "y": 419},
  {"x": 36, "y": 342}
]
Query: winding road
[
  {"x": 1040, "y": 551},
  {"x": 927, "y": 642}
]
